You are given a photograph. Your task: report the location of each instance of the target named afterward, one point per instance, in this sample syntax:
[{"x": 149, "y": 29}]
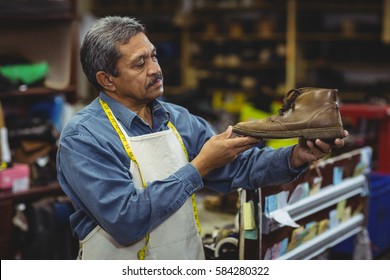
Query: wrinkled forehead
[{"x": 138, "y": 45}]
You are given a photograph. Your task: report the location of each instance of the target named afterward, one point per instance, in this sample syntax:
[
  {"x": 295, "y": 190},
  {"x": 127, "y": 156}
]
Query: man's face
[{"x": 140, "y": 78}]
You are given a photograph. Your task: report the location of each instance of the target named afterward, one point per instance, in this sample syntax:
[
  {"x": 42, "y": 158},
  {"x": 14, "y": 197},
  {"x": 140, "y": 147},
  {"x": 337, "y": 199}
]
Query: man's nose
[{"x": 154, "y": 67}]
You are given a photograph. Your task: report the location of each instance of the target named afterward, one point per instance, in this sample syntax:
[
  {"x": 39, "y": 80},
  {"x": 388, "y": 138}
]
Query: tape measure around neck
[
  {"x": 122, "y": 137},
  {"x": 129, "y": 152}
]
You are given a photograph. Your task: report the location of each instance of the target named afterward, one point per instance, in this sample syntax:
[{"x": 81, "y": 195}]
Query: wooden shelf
[
  {"x": 332, "y": 36},
  {"x": 242, "y": 66},
  {"x": 352, "y": 66},
  {"x": 37, "y": 91},
  {"x": 8, "y": 200},
  {"x": 28, "y": 35},
  {"x": 32, "y": 34},
  {"x": 339, "y": 7},
  {"x": 32, "y": 193},
  {"x": 262, "y": 6},
  {"x": 225, "y": 37}
]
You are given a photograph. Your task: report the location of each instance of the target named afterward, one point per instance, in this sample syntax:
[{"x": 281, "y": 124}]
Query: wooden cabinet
[
  {"x": 287, "y": 44},
  {"x": 246, "y": 41},
  {"x": 264, "y": 48},
  {"x": 238, "y": 52},
  {"x": 255, "y": 51},
  {"x": 38, "y": 32},
  {"x": 35, "y": 32},
  {"x": 8, "y": 201},
  {"x": 341, "y": 44},
  {"x": 42, "y": 34}
]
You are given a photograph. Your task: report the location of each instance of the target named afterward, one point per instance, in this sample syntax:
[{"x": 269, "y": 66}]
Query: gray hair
[{"x": 99, "y": 50}]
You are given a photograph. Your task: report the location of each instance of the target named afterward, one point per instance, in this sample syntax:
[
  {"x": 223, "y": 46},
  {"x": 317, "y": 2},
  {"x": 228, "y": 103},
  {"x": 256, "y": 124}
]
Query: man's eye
[
  {"x": 140, "y": 63},
  {"x": 154, "y": 57}
]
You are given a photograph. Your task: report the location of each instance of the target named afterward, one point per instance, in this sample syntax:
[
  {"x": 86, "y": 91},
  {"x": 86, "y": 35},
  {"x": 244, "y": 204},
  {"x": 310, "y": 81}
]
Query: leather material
[{"x": 307, "y": 112}]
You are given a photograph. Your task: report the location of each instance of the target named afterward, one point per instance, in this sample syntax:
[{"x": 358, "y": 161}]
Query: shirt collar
[{"x": 160, "y": 114}]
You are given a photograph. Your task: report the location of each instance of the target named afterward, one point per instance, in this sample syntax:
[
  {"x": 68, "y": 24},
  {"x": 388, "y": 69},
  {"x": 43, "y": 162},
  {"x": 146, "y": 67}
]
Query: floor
[
  {"x": 212, "y": 220},
  {"x": 214, "y": 225}
]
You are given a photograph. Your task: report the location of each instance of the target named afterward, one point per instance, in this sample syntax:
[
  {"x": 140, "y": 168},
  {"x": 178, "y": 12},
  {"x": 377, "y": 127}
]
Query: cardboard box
[{"x": 16, "y": 178}]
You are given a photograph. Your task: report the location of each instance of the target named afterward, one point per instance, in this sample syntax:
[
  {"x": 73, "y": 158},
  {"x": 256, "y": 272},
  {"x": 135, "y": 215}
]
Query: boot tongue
[{"x": 288, "y": 101}]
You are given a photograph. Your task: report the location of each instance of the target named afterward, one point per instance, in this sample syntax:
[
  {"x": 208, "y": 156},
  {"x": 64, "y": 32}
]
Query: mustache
[{"x": 154, "y": 80}]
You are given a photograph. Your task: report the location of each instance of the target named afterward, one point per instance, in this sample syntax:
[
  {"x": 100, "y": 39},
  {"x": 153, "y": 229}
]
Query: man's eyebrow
[
  {"x": 138, "y": 57},
  {"x": 143, "y": 55}
]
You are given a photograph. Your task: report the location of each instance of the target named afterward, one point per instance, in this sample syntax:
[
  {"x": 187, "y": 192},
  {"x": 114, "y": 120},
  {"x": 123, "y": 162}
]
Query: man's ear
[{"x": 105, "y": 80}]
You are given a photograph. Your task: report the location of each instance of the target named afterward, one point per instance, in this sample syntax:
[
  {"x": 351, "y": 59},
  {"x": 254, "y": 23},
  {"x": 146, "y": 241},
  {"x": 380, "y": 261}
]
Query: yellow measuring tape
[{"x": 126, "y": 145}]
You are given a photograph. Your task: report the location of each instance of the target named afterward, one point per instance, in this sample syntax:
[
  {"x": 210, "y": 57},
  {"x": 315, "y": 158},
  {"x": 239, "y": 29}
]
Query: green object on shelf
[{"x": 25, "y": 73}]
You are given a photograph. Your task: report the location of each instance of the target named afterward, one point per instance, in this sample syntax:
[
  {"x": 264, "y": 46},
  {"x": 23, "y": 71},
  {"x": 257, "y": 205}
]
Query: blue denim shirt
[{"x": 93, "y": 170}]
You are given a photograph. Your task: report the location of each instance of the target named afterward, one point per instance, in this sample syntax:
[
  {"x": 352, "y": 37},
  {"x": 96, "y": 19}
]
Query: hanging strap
[
  {"x": 122, "y": 137},
  {"x": 196, "y": 216},
  {"x": 126, "y": 145}
]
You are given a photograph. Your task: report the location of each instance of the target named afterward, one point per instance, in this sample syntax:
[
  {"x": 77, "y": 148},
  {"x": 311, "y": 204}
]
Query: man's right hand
[{"x": 222, "y": 149}]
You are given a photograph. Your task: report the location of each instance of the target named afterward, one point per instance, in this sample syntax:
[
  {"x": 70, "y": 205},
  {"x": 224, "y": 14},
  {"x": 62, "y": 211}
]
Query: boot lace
[{"x": 289, "y": 101}]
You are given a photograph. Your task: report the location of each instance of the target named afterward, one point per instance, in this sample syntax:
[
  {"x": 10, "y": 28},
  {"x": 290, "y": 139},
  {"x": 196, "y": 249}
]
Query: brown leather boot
[{"x": 312, "y": 113}]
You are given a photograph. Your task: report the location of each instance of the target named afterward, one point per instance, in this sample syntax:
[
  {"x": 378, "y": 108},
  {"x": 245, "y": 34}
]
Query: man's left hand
[{"x": 307, "y": 151}]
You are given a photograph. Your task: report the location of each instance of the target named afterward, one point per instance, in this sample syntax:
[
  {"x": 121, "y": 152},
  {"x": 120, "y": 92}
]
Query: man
[{"x": 131, "y": 163}]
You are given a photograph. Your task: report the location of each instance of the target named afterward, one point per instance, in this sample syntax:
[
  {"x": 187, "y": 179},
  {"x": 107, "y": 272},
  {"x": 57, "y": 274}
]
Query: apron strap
[
  {"x": 122, "y": 137},
  {"x": 193, "y": 198}
]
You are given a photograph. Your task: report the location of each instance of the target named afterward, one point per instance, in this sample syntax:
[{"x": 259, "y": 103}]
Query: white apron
[{"x": 158, "y": 155}]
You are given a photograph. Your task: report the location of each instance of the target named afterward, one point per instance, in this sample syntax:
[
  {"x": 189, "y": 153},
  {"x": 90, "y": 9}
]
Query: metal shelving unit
[
  {"x": 327, "y": 197},
  {"x": 351, "y": 190},
  {"x": 326, "y": 240}
]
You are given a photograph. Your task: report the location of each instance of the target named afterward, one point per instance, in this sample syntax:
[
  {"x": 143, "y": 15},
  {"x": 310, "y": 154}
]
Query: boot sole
[{"x": 309, "y": 133}]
